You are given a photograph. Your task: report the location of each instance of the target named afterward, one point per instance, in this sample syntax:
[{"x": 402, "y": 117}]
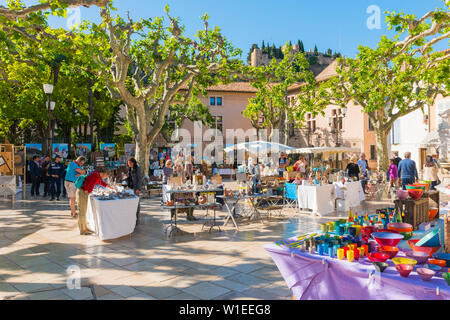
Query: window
[
  {"x": 219, "y": 101},
  {"x": 373, "y": 152},
  {"x": 212, "y": 101},
  {"x": 371, "y": 128},
  {"x": 311, "y": 123},
  {"x": 218, "y": 124}
]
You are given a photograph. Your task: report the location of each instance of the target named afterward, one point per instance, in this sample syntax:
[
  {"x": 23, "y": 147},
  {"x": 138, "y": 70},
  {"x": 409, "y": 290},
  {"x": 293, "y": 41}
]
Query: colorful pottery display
[
  {"x": 377, "y": 257},
  {"x": 409, "y": 261},
  {"x": 390, "y": 251},
  {"x": 423, "y": 186},
  {"x": 425, "y": 274},
  {"x": 431, "y": 239},
  {"x": 428, "y": 250},
  {"x": 420, "y": 257},
  {"x": 416, "y": 194},
  {"x": 387, "y": 238},
  {"x": 404, "y": 269},
  {"x": 447, "y": 277}
]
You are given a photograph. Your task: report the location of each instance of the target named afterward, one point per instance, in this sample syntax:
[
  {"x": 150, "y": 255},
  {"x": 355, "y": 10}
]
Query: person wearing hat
[{"x": 55, "y": 172}]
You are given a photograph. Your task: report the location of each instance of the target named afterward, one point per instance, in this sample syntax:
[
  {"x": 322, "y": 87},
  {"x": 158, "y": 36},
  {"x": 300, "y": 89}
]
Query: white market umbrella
[
  {"x": 260, "y": 147},
  {"x": 324, "y": 150}
]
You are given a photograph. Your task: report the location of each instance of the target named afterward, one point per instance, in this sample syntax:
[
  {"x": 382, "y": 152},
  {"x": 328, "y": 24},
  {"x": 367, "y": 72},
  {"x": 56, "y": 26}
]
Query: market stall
[
  {"x": 112, "y": 216},
  {"x": 351, "y": 192},
  {"x": 318, "y": 198},
  {"x": 371, "y": 257}
]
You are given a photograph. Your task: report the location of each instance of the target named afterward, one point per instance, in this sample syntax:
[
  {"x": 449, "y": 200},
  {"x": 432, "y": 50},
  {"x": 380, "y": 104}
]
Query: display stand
[
  {"x": 416, "y": 211},
  {"x": 20, "y": 168}
]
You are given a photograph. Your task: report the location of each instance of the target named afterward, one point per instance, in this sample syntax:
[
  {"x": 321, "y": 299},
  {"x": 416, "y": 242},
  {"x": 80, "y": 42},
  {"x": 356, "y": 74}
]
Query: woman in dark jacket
[
  {"x": 353, "y": 169},
  {"x": 135, "y": 180}
]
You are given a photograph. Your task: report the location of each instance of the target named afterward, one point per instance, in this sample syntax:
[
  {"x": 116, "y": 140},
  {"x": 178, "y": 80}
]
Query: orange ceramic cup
[
  {"x": 350, "y": 255},
  {"x": 366, "y": 249},
  {"x": 362, "y": 252}
]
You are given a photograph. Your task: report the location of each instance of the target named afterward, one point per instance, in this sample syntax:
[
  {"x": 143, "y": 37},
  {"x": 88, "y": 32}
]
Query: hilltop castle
[{"x": 318, "y": 61}]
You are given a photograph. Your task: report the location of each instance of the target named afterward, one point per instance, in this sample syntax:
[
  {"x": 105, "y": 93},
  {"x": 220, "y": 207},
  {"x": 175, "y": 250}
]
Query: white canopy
[
  {"x": 260, "y": 147},
  {"x": 324, "y": 150}
]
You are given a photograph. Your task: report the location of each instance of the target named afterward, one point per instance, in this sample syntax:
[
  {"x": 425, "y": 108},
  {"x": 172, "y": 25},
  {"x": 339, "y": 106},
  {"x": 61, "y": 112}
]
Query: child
[
  {"x": 298, "y": 179},
  {"x": 393, "y": 174}
]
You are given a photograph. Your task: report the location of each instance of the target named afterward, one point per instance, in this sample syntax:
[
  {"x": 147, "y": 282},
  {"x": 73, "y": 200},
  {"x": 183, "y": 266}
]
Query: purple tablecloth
[{"x": 314, "y": 277}]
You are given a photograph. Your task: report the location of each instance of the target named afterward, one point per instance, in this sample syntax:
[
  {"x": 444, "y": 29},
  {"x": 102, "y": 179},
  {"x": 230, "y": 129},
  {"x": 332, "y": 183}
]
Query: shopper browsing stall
[
  {"x": 135, "y": 180},
  {"x": 74, "y": 170},
  {"x": 430, "y": 172},
  {"x": 283, "y": 163},
  {"x": 35, "y": 172},
  {"x": 167, "y": 171},
  {"x": 90, "y": 182}
]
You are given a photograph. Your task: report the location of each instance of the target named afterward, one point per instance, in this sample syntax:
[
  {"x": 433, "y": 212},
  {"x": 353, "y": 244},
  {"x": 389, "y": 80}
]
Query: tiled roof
[{"x": 328, "y": 72}]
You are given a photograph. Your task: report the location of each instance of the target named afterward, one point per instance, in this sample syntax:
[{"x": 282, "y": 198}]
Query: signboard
[
  {"x": 60, "y": 149},
  {"x": 130, "y": 150},
  {"x": 83, "y": 150},
  {"x": 8, "y": 185},
  {"x": 34, "y": 149},
  {"x": 108, "y": 149}
]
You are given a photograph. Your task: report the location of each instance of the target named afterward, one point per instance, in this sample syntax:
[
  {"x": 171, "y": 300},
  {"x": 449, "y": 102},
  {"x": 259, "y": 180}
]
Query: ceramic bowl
[
  {"x": 423, "y": 186},
  {"x": 407, "y": 235},
  {"x": 420, "y": 257},
  {"x": 390, "y": 251},
  {"x": 377, "y": 257},
  {"x": 404, "y": 269},
  {"x": 409, "y": 261},
  {"x": 367, "y": 231},
  {"x": 387, "y": 238},
  {"x": 380, "y": 266},
  {"x": 429, "y": 250},
  {"x": 425, "y": 274},
  {"x": 443, "y": 256},
  {"x": 432, "y": 212},
  {"x": 433, "y": 267},
  {"x": 402, "y": 194},
  {"x": 438, "y": 262},
  {"x": 416, "y": 194},
  {"x": 400, "y": 227}
]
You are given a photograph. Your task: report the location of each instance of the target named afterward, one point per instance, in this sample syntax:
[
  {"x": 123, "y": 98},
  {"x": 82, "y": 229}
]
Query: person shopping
[
  {"x": 45, "y": 176},
  {"x": 430, "y": 172},
  {"x": 407, "y": 170},
  {"x": 74, "y": 170},
  {"x": 353, "y": 169},
  {"x": 90, "y": 182},
  {"x": 393, "y": 175},
  {"x": 135, "y": 181}
]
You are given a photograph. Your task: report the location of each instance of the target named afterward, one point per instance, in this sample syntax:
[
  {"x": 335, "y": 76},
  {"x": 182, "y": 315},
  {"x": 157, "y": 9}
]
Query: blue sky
[{"x": 339, "y": 25}]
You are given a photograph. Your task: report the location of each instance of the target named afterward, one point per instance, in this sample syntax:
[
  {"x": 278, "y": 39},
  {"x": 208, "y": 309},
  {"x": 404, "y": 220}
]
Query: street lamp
[{"x": 48, "y": 89}]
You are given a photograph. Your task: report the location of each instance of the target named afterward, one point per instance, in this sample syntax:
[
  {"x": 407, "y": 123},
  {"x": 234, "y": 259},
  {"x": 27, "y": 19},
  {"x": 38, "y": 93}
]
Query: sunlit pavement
[{"x": 40, "y": 244}]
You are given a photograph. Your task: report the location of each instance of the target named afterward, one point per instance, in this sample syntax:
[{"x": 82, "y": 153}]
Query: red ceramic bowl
[
  {"x": 440, "y": 263},
  {"x": 377, "y": 257},
  {"x": 422, "y": 185},
  {"x": 400, "y": 227},
  {"x": 404, "y": 269},
  {"x": 390, "y": 251},
  {"x": 432, "y": 213},
  {"x": 387, "y": 238},
  {"x": 367, "y": 231},
  {"x": 416, "y": 194},
  {"x": 414, "y": 248}
]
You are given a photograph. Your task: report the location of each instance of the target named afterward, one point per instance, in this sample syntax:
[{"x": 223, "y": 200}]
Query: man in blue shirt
[
  {"x": 407, "y": 170},
  {"x": 74, "y": 170},
  {"x": 55, "y": 171}
]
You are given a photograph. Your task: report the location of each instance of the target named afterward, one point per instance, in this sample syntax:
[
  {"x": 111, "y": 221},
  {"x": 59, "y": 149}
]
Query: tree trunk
[{"x": 382, "y": 149}]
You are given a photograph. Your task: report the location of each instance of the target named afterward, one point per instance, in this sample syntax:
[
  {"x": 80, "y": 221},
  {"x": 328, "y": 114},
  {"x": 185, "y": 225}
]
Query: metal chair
[{"x": 290, "y": 195}]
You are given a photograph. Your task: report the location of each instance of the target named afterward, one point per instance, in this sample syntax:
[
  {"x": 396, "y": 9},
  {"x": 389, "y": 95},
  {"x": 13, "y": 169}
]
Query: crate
[
  {"x": 433, "y": 200},
  {"x": 416, "y": 211}
]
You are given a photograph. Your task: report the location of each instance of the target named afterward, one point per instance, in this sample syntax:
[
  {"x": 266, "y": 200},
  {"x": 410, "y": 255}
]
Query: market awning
[
  {"x": 260, "y": 147},
  {"x": 329, "y": 150}
]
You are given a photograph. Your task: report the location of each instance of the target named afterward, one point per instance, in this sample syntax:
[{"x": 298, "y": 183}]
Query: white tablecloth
[
  {"x": 112, "y": 219},
  {"x": 353, "y": 192},
  {"x": 226, "y": 172},
  {"x": 320, "y": 199}
]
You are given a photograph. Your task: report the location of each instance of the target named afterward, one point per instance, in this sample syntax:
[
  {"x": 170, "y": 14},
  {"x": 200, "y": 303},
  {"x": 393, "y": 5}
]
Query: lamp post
[
  {"x": 337, "y": 122},
  {"x": 48, "y": 89}
]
